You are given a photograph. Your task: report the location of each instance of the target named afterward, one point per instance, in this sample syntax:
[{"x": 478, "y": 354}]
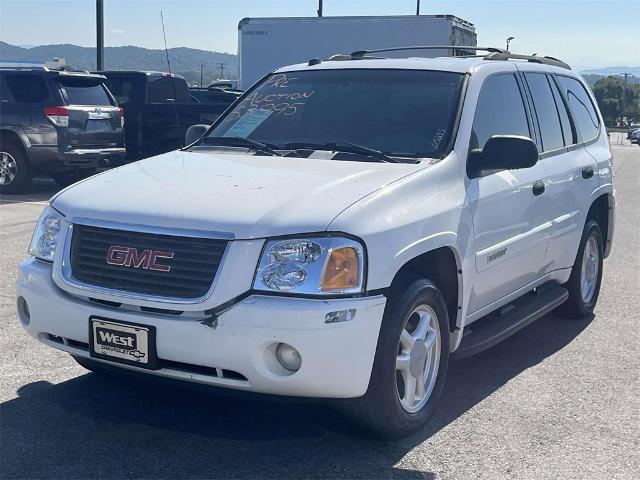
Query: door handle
[
  {"x": 538, "y": 188},
  {"x": 587, "y": 172}
]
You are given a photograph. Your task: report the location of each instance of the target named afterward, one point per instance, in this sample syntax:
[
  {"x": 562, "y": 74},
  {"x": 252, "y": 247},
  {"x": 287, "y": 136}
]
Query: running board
[{"x": 495, "y": 327}]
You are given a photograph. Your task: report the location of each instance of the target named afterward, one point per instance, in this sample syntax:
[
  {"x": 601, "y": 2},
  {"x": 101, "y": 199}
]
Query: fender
[{"x": 12, "y": 130}]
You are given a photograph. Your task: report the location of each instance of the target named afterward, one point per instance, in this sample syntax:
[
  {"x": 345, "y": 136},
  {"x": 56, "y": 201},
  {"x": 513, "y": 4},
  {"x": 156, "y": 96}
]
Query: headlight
[
  {"x": 45, "y": 237},
  {"x": 312, "y": 266}
]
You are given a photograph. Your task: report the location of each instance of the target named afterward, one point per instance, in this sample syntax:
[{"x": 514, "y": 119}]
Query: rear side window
[
  {"x": 567, "y": 131},
  {"x": 28, "y": 88},
  {"x": 546, "y": 111},
  {"x": 80, "y": 91},
  {"x": 582, "y": 109},
  {"x": 166, "y": 90},
  {"x": 500, "y": 110},
  {"x": 127, "y": 89}
]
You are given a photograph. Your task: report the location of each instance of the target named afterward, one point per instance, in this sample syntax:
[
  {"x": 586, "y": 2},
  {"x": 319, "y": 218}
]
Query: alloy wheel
[
  {"x": 8, "y": 168},
  {"x": 590, "y": 269},
  {"x": 418, "y": 358}
]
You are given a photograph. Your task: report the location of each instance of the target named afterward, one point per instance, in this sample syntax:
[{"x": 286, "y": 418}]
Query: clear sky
[{"x": 585, "y": 33}]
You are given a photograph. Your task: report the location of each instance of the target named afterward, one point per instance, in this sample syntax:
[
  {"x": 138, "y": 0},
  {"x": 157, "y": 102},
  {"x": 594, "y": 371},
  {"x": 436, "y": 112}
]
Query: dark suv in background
[{"x": 59, "y": 123}]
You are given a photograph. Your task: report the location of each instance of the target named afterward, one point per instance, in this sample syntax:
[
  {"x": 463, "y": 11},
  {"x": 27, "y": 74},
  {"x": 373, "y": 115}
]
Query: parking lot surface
[{"x": 558, "y": 400}]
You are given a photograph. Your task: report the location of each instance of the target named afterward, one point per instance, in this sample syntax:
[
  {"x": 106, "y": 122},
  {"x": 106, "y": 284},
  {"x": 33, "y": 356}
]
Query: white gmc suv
[{"x": 342, "y": 231}]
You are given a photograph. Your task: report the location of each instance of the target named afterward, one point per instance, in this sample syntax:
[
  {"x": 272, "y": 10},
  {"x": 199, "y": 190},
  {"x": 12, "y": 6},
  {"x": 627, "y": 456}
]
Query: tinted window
[
  {"x": 500, "y": 110},
  {"x": 84, "y": 91},
  {"x": 126, "y": 88},
  {"x": 582, "y": 110},
  {"x": 567, "y": 131},
  {"x": 546, "y": 111},
  {"x": 28, "y": 88},
  {"x": 403, "y": 112},
  {"x": 165, "y": 90}
]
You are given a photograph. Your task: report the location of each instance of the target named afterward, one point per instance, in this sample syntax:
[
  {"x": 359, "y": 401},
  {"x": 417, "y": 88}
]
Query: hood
[{"x": 248, "y": 196}]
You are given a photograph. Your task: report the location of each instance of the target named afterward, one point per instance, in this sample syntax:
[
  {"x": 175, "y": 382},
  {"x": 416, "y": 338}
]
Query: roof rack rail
[
  {"x": 361, "y": 53},
  {"x": 546, "y": 60}
]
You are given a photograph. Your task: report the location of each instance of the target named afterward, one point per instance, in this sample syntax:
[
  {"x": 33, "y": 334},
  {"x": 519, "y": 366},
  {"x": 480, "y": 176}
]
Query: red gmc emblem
[{"x": 131, "y": 257}]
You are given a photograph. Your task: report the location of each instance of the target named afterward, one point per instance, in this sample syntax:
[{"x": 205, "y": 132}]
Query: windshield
[{"x": 398, "y": 112}]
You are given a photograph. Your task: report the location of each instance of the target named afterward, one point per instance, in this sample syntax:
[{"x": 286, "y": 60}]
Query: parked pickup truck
[
  {"x": 159, "y": 110},
  {"x": 342, "y": 232}
]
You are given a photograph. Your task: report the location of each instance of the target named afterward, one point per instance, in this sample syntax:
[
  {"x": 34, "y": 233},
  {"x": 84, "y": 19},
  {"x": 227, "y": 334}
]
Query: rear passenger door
[
  {"x": 509, "y": 208},
  {"x": 566, "y": 120}
]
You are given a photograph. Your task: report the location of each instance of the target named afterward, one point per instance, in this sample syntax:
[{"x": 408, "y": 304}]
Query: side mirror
[
  {"x": 502, "y": 152},
  {"x": 194, "y": 132}
]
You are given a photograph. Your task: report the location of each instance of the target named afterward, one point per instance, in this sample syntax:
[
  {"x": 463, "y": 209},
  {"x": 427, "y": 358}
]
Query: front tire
[
  {"x": 586, "y": 274},
  {"x": 410, "y": 365}
]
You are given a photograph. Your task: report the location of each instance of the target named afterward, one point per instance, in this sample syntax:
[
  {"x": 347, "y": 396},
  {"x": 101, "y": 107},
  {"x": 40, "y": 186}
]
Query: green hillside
[{"x": 184, "y": 61}]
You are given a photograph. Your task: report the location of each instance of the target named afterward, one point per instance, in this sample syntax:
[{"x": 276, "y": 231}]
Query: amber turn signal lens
[{"x": 342, "y": 270}]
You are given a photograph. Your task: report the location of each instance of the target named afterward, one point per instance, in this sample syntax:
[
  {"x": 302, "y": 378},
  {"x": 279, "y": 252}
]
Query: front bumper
[{"x": 336, "y": 358}]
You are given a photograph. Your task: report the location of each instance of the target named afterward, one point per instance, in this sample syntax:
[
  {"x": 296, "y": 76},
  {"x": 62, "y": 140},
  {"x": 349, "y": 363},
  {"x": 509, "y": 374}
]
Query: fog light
[
  {"x": 288, "y": 357},
  {"x": 340, "y": 316},
  {"x": 23, "y": 311}
]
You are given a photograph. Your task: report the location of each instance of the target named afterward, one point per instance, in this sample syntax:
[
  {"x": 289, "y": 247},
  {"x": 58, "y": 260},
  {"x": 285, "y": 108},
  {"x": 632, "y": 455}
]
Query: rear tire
[
  {"x": 586, "y": 274},
  {"x": 416, "y": 310},
  {"x": 15, "y": 171}
]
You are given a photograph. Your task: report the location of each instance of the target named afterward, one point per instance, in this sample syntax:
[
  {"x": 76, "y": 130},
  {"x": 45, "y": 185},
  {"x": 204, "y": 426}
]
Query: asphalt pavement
[{"x": 560, "y": 399}]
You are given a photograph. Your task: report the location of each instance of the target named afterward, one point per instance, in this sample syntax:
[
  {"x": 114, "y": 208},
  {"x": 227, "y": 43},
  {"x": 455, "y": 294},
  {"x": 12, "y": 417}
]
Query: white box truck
[{"x": 265, "y": 44}]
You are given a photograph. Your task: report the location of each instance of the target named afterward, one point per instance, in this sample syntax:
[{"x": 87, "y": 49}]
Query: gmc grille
[{"x": 193, "y": 266}]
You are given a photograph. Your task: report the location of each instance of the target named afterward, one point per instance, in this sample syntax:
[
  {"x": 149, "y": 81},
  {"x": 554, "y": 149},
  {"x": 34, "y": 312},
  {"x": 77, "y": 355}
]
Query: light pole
[
  {"x": 99, "y": 35},
  {"x": 509, "y": 41}
]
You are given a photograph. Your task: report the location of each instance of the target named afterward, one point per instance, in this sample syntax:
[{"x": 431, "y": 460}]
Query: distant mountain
[
  {"x": 184, "y": 61},
  {"x": 604, "y": 71}
]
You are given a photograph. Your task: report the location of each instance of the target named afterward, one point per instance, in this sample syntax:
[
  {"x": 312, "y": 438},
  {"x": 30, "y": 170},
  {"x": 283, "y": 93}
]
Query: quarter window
[
  {"x": 500, "y": 110},
  {"x": 546, "y": 111},
  {"x": 28, "y": 88},
  {"x": 582, "y": 109}
]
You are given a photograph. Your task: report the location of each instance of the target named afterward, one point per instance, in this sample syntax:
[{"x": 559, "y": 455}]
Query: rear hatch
[{"x": 93, "y": 120}]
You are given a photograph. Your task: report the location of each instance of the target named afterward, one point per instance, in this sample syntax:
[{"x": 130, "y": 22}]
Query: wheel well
[
  {"x": 441, "y": 267},
  {"x": 12, "y": 137},
  {"x": 599, "y": 212}
]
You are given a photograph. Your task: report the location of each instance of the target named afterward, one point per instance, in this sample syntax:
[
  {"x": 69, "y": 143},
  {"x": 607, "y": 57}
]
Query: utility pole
[
  {"x": 319, "y": 8},
  {"x": 99, "y": 35},
  {"x": 201, "y": 66},
  {"x": 624, "y": 92},
  {"x": 221, "y": 66},
  {"x": 418, "y": 8}
]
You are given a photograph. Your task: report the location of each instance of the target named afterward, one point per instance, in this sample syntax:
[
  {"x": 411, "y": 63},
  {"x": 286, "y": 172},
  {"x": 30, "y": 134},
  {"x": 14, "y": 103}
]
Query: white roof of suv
[{"x": 447, "y": 64}]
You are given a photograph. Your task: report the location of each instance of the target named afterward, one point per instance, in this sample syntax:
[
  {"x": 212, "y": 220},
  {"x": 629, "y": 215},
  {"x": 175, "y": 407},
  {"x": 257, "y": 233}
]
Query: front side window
[
  {"x": 84, "y": 91},
  {"x": 27, "y": 88},
  {"x": 546, "y": 111},
  {"x": 582, "y": 109},
  {"x": 401, "y": 112},
  {"x": 500, "y": 110}
]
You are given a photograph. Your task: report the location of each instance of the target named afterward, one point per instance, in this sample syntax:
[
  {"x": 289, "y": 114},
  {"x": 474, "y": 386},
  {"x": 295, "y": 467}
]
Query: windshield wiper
[
  {"x": 241, "y": 142},
  {"x": 345, "y": 147}
]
